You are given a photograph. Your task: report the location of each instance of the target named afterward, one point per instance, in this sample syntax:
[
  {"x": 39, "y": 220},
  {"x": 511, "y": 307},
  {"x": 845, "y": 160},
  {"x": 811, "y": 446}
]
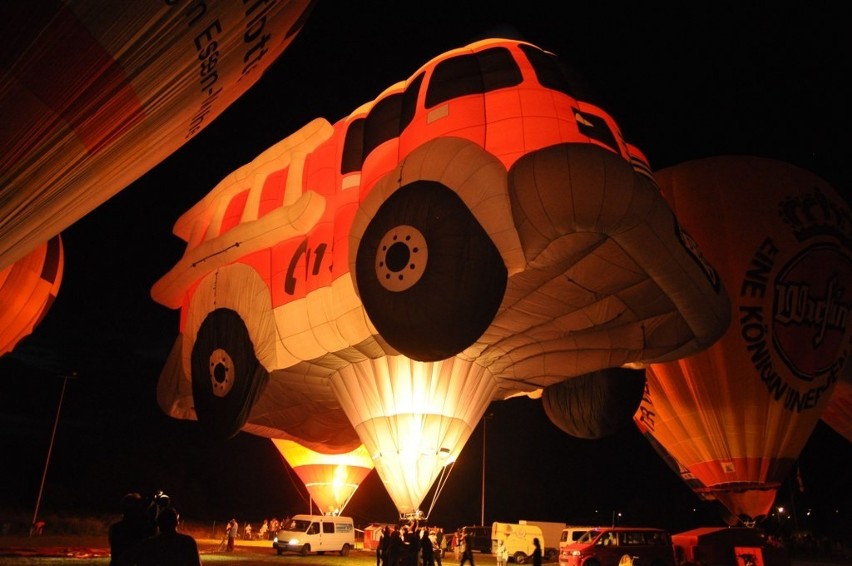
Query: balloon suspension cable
[
  {"x": 439, "y": 485},
  {"x": 297, "y": 483}
]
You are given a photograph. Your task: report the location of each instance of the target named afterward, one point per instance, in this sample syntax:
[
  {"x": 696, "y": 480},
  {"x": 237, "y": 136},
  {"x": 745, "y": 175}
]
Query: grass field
[{"x": 51, "y": 550}]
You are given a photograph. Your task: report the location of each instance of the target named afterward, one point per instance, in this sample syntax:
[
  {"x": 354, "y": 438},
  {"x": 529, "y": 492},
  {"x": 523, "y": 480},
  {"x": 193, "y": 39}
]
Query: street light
[
  {"x": 482, "y": 510},
  {"x": 65, "y": 379}
]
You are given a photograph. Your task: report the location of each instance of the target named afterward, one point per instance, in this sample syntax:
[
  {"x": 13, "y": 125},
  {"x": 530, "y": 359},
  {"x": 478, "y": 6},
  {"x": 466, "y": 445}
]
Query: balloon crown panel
[{"x": 475, "y": 232}]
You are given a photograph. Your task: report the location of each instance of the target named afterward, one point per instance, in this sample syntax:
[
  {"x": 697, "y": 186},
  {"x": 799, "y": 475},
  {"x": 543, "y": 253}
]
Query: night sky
[{"x": 682, "y": 85}]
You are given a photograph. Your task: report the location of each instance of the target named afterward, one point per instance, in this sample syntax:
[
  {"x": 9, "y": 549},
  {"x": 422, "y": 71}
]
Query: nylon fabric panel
[
  {"x": 28, "y": 288},
  {"x": 838, "y": 413},
  {"x": 595, "y": 405},
  {"x": 93, "y": 94}
]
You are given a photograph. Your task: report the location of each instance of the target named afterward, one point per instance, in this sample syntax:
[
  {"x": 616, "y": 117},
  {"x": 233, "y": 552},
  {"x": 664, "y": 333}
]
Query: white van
[
  {"x": 571, "y": 534},
  {"x": 518, "y": 538},
  {"x": 316, "y": 533}
]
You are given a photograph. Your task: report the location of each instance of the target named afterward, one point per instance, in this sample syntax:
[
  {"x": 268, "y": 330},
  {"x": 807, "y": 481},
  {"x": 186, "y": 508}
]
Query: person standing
[
  {"x": 411, "y": 540},
  {"x": 233, "y": 528},
  {"x": 502, "y": 553},
  {"x": 135, "y": 526},
  {"x": 426, "y": 548},
  {"x": 380, "y": 542},
  {"x": 536, "y": 552},
  {"x": 467, "y": 549},
  {"x": 167, "y": 548},
  {"x": 436, "y": 546},
  {"x": 458, "y": 543},
  {"x": 395, "y": 548}
]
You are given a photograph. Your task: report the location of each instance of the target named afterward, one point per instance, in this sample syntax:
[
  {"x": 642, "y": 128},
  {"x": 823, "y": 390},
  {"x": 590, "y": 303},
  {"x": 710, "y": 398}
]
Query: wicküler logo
[
  {"x": 811, "y": 311},
  {"x": 794, "y": 304}
]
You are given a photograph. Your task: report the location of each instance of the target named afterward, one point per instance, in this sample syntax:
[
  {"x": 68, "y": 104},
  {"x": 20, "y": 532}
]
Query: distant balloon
[
  {"x": 595, "y": 405},
  {"x": 93, "y": 94},
  {"x": 475, "y": 232},
  {"x": 331, "y": 479},
  {"x": 28, "y": 288},
  {"x": 838, "y": 413},
  {"x": 738, "y": 414}
]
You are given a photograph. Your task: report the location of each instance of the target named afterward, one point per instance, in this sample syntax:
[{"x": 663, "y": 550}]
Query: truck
[
  {"x": 518, "y": 538},
  {"x": 552, "y": 532},
  {"x": 727, "y": 546}
]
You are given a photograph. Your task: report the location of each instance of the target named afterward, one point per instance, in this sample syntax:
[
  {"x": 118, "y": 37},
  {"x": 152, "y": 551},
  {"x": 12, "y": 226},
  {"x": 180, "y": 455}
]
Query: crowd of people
[
  {"x": 413, "y": 545},
  {"x": 266, "y": 531}
]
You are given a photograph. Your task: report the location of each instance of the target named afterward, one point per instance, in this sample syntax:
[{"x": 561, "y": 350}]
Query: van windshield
[
  {"x": 588, "y": 536},
  {"x": 298, "y": 525}
]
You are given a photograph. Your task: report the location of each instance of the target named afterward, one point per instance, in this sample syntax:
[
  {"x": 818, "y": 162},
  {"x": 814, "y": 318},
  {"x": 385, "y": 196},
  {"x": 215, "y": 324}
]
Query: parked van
[
  {"x": 316, "y": 533},
  {"x": 572, "y": 534},
  {"x": 518, "y": 539},
  {"x": 620, "y": 546}
]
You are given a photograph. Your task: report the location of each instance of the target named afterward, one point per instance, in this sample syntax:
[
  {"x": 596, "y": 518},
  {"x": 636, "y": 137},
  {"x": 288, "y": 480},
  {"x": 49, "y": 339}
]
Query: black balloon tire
[
  {"x": 424, "y": 321},
  {"x": 222, "y": 418}
]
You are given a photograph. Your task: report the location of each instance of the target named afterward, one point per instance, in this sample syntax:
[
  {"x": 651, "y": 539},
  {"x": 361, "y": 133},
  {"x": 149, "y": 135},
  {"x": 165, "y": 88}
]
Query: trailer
[
  {"x": 552, "y": 532},
  {"x": 727, "y": 546}
]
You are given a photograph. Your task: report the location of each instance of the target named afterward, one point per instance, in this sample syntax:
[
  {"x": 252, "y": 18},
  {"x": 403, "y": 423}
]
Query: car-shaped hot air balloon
[{"x": 479, "y": 230}]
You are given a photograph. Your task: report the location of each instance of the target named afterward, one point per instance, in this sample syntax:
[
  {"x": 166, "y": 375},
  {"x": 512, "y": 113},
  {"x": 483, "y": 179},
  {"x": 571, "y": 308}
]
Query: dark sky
[{"x": 682, "y": 85}]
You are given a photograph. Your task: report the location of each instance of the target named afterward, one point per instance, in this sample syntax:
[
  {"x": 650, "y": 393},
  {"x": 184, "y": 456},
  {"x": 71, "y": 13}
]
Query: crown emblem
[{"x": 814, "y": 214}]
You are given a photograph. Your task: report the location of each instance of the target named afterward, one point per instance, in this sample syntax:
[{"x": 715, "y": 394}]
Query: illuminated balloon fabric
[
  {"x": 594, "y": 405},
  {"x": 331, "y": 479},
  {"x": 413, "y": 417},
  {"x": 838, "y": 413},
  {"x": 738, "y": 414},
  {"x": 94, "y": 93},
  {"x": 513, "y": 233},
  {"x": 691, "y": 481},
  {"x": 297, "y": 404},
  {"x": 28, "y": 288}
]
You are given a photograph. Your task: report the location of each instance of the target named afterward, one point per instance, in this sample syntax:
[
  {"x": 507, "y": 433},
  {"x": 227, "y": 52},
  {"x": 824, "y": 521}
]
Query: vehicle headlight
[
  {"x": 275, "y": 539},
  {"x": 294, "y": 541},
  {"x": 576, "y": 553}
]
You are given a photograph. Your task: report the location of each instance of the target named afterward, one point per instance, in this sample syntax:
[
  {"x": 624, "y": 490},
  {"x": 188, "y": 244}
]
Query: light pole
[
  {"x": 50, "y": 449},
  {"x": 482, "y": 510}
]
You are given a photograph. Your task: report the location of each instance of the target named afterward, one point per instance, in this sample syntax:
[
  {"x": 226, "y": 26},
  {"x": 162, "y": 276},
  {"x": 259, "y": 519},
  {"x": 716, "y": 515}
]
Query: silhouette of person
[
  {"x": 467, "y": 549},
  {"x": 536, "y": 552},
  {"x": 134, "y": 526},
  {"x": 435, "y": 537},
  {"x": 167, "y": 548},
  {"x": 231, "y": 533},
  {"x": 396, "y": 548},
  {"x": 427, "y": 550}
]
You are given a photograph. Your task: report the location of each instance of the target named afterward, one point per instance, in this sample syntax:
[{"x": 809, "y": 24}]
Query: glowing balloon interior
[
  {"x": 477, "y": 231},
  {"x": 331, "y": 479},
  {"x": 28, "y": 288}
]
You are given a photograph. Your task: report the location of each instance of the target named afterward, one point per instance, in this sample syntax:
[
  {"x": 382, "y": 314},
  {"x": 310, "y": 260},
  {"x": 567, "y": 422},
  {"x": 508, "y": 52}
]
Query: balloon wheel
[
  {"x": 428, "y": 274},
  {"x": 227, "y": 378}
]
